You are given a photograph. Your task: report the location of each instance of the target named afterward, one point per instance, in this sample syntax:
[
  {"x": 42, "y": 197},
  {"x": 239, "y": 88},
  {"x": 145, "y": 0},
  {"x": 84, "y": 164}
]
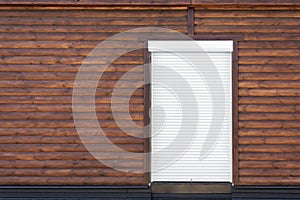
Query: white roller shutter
[{"x": 191, "y": 111}]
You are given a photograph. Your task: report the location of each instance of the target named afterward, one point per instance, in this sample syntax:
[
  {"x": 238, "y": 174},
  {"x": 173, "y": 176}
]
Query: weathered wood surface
[
  {"x": 41, "y": 49},
  {"x": 152, "y": 2},
  {"x": 269, "y": 95},
  {"x": 98, "y": 2}
]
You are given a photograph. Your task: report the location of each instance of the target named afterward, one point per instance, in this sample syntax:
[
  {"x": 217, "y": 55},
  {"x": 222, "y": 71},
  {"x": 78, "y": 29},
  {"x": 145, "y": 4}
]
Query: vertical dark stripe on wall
[
  {"x": 190, "y": 20},
  {"x": 147, "y": 104},
  {"x": 235, "y": 112}
]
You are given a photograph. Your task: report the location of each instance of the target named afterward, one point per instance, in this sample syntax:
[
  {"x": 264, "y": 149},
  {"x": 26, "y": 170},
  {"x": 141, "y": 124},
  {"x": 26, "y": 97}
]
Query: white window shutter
[{"x": 204, "y": 152}]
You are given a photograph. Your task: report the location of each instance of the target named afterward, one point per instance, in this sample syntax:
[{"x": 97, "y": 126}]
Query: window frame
[{"x": 147, "y": 103}]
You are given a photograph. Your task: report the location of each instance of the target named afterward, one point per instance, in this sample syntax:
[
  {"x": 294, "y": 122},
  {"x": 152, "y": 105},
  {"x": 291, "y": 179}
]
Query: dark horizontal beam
[
  {"x": 147, "y": 2},
  {"x": 245, "y": 2},
  {"x": 97, "y": 2}
]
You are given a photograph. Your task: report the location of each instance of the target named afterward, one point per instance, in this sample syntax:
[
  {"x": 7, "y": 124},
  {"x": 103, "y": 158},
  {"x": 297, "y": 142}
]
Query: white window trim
[{"x": 191, "y": 46}]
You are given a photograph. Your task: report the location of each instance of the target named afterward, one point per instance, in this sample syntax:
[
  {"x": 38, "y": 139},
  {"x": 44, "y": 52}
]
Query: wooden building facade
[{"x": 43, "y": 44}]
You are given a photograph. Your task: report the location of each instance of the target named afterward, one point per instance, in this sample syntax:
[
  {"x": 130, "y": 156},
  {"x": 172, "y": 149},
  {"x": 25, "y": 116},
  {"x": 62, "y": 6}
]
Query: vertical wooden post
[
  {"x": 147, "y": 104},
  {"x": 235, "y": 151},
  {"x": 190, "y": 20}
]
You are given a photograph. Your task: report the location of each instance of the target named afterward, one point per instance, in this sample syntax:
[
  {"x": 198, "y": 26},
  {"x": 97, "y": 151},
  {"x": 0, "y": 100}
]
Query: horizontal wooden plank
[
  {"x": 69, "y": 172},
  {"x": 33, "y": 156},
  {"x": 268, "y": 60},
  {"x": 246, "y": 132},
  {"x": 138, "y": 132},
  {"x": 269, "y": 52},
  {"x": 270, "y": 76},
  {"x": 136, "y": 116},
  {"x": 63, "y": 76},
  {"x": 274, "y": 148},
  {"x": 247, "y": 14},
  {"x": 269, "y": 44},
  {"x": 268, "y": 84},
  {"x": 68, "y": 100},
  {"x": 65, "y": 52},
  {"x": 113, "y": 46},
  {"x": 77, "y": 60},
  {"x": 155, "y": 2},
  {"x": 270, "y": 164},
  {"x": 69, "y": 139},
  {"x": 135, "y": 83},
  {"x": 74, "y": 164},
  {"x": 269, "y": 108},
  {"x": 269, "y": 92},
  {"x": 269, "y": 156},
  {"x": 245, "y": 7},
  {"x": 76, "y": 7},
  {"x": 116, "y": 68},
  {"x": 268, "y": 100},
  {"x": 68, "y": 108},
  {"x": 247, "y": 2},
  {"x": 22, "y": 37},
  {"x": 270, "y": 180},
  {"x": 270, "y": 140},
  {"x": 269, "y": 172},
  {"x": 61, "y": 12},
  {"x": 235, "y": 29},
  {"x": 88, "y": 8},
  {"x": 271, "y": 37},
  {"x": 41, "y": 44},
  {"x": 114, "y": 21},
  {"x": 66, "y": 92},
  {"x": 270, "y": 68},
  {"x": 242, "y": 21},
  {"x": 68, "y": 124},
  {"x": 48, "y": 180},
  {"x": 88, "y": 39},
  {"x": 269, "y": 116},
  {"x": 88, "y": 29},
  {"x": 269, "y": 124},
  {"x": 99, "y": 148}
]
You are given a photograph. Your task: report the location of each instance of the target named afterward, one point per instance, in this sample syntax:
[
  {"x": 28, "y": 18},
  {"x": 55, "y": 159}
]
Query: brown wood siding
[
  {"x": 41, "y": 51},
  {"x": 269, "y": 88},
  {"x": 151, "y": 2}
]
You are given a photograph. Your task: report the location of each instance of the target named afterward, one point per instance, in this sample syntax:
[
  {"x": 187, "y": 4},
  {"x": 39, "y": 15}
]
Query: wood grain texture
[
  {"x": 42, "y": 49},
  {"x": 67, "y": 139},
  {"x": 245, "y": 2},
  {"x": 269, "y": 140},
  {"x": 51, "y": 180},
  {"x": 270, "y": 172},
  {"x": 66, "y": 100},
  {"x": 152, "y": 2},
  {"x": 67, "y": 148},
  {"x": 248, "y": 7},
  {"x": 58, "y": 131},
  {"x": 271, "y": 156},
  {"x": 246, "y": 132},
  {"x": 268, "y": 81},
  {"x": 65, "y": 164},
  {"x": 270, "y": 180},
  {"x": 66, "y": 172},
  {"x": 269, "y": 100},
  {"x": 67, "y": 156},
  {"x": 97, "y": 2}
]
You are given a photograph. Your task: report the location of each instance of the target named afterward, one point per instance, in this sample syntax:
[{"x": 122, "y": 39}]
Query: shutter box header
[{"x": 190, "y": 46}]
